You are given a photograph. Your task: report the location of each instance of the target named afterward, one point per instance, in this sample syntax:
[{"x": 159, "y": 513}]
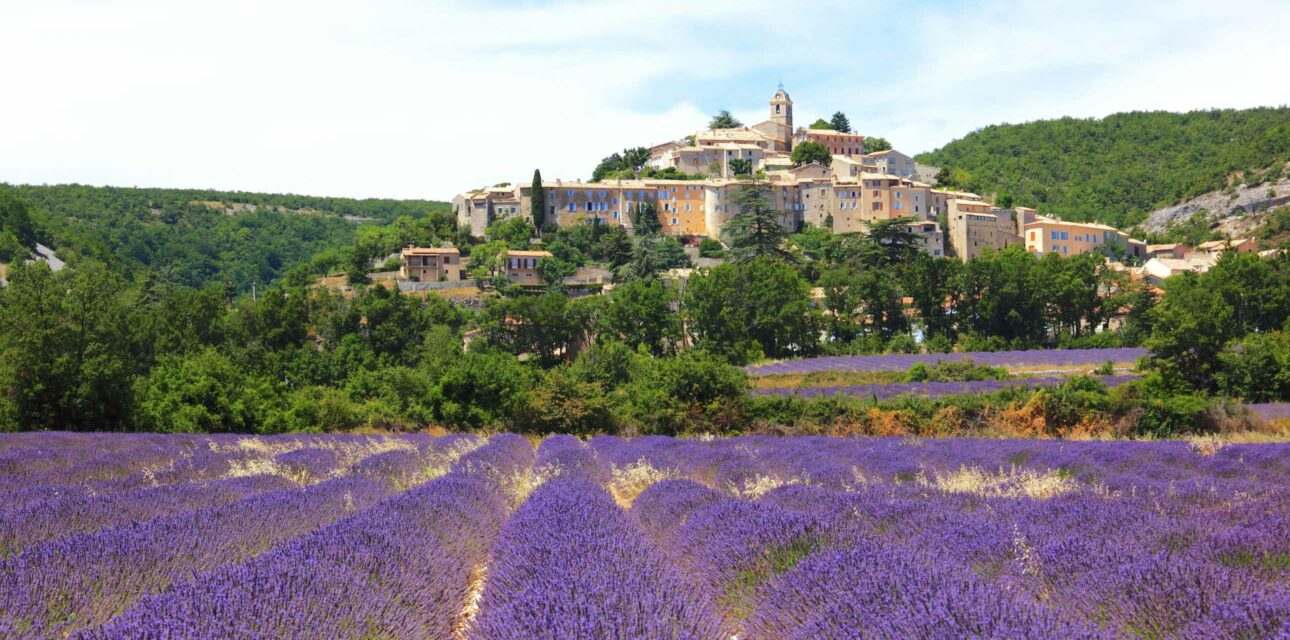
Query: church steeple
[{"x": 781, "y": 108}]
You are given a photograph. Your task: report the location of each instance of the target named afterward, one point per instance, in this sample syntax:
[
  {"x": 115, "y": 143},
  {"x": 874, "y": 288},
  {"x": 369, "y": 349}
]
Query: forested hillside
[
  {"x": 198, "y": 237},
  {"x": 1116, "y": 169}
]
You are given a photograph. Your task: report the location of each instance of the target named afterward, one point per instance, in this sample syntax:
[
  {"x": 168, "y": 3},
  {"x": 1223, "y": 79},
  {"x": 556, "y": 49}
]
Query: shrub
[{"x": 1171, "y": 416}]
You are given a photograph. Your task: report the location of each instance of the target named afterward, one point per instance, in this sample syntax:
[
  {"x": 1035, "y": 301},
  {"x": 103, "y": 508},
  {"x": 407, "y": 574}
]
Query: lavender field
[
  {"x": 901, "y": 362},
  {"x": 366, "y": 537},
  {"x": 929, "y": 389}
]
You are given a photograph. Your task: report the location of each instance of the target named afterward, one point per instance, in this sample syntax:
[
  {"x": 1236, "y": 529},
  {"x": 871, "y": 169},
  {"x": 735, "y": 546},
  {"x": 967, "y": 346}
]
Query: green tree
[
  {"x": 876, "y": 144},
  {"x": 811, "y": 152},
  {"x": 563, "y": 403},
  {"x": 887, "y": 243},
  {"x": 1256, "y": 368},
  {"x": 839, "y": 122},
  {"x": 554, "y": 270},
  {"x": 641, "y": 315},
  {"x": 1190, "y": 327},
  {"x": 1001, "y": 298},
  {"x": 516, "y": 232},
  {"x": 820, "y": 123},
  {"x": 67, "y": 342},
  {"x": 482, "y": 389},
  {"x": 652, "y": 256},
  {"x": 710, "y": 248},
  {"x": 932, "y": 285},
  {"x": 15, "y": 218},
  {"x": 723, "y": 120},
  {"x": 204, "y": 392},
  {"x": 741, "y": 167},
  {"x": 488, "y": 263},
  {"x": 537, "y": 326},
  {"x": 537, "y": 198},
  {"x": 690, "y": 392},
  {"x": 742, "y": 311},
  {"x": 645, "y": 219},
  {"x": 754, "y": 230}
]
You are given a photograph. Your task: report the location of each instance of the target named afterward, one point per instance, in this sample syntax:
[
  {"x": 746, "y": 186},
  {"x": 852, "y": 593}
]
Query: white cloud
[{"x": 401, "y": 99}]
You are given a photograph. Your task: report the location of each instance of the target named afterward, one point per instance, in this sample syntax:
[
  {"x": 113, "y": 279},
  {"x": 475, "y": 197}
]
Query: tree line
[{"x": 96, "y": 347}]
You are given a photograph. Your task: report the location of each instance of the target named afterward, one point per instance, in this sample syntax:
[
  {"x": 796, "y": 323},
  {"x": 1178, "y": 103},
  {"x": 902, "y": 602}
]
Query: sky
[{"x": 405, "y": 99}]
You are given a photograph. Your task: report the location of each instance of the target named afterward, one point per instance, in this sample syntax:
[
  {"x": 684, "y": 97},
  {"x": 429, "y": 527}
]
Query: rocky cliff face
[{"x": 1234, "y": 210}]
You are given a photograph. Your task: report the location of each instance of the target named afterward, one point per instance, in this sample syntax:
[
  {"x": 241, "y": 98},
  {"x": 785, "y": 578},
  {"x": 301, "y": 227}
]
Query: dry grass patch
[
  {"x": 629, "y": 481},
  {"x": 1006, "y": 483}
]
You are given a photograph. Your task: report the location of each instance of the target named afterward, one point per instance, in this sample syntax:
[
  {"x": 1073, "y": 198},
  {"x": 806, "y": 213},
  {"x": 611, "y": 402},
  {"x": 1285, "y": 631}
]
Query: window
[
  {"x": 1063, "y": 248},
  {"x": 1064, "y": 236},
  {"x": 673, "y": 220},
  {"x": 570, "y": 193},
  {"x": 615, "y": 202},
  {"x": 615, "y": 215},
  {"x": 898, "y": 205},
  {"x": 1056, "y": 235},
  {"x": 590, "y": 205},
  {"x": 687, "y": 207},
  {"x": 573, "y": 207}
]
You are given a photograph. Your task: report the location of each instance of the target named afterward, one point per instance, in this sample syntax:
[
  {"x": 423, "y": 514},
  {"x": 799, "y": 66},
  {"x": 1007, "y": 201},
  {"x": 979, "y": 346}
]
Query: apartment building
[
  {"x": 930, "y": 237},
  {"x": 479, "y": 208},
  {"x": 837, "y": 142},
  {"x": 940, "y": 199},
  {"x": 782, "y": 195},
  {"x": 976, "y": 226},
  {"x": 926, "y": 173},
  {"x": 892, "y": 162},
  {"x": 1054, "y": 235},
  {"x": 431, "y": 264},
  {"x": 683, "y": 206},
  {"x": 712, "y": 161},
  {"x": 612, "y": 202},
  {"x": 874, "y": 197},
  {"x": 521, "y": 267}
]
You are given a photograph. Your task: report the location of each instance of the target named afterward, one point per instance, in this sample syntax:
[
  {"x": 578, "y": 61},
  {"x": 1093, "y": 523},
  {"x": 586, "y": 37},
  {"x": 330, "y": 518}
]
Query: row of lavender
[
  {"x": 667, "y": 538},
  {"x": 83, "y": 543},
  {"x": 901, "y": 362},
  {"x": 929, "y": 389}
]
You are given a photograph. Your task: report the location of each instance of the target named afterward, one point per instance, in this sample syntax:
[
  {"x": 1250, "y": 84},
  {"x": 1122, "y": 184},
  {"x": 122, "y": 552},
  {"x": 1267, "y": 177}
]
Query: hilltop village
[{"x": 824, "y": 176}]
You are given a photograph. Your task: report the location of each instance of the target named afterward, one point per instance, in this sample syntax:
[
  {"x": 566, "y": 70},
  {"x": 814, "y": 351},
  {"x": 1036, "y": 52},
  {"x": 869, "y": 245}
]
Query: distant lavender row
[
  {"x": 929, "y": 389},
  {"x": 901, "y": 362},
  {"x": 1271, "y": 410}
]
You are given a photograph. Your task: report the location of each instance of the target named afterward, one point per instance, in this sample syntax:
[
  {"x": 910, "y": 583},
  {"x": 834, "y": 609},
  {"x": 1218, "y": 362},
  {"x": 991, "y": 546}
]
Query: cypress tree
[{"x": 537, "y": 199}]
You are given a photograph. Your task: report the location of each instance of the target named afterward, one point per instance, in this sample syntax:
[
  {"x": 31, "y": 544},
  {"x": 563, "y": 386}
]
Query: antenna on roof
[{"x": 781, "y": 84}]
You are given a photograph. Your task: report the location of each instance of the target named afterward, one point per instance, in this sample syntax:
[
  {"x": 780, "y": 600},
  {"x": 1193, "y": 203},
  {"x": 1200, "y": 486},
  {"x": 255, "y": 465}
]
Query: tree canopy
[
  {"x": 839, "y": 122},
  {"x": 811, "y": 152},
  {"x": 875, "y": 144},
  {"x": 1118, "y": 168},
  {"x": 754, "y": 230},
  {"x": 723, "y": 120}
]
